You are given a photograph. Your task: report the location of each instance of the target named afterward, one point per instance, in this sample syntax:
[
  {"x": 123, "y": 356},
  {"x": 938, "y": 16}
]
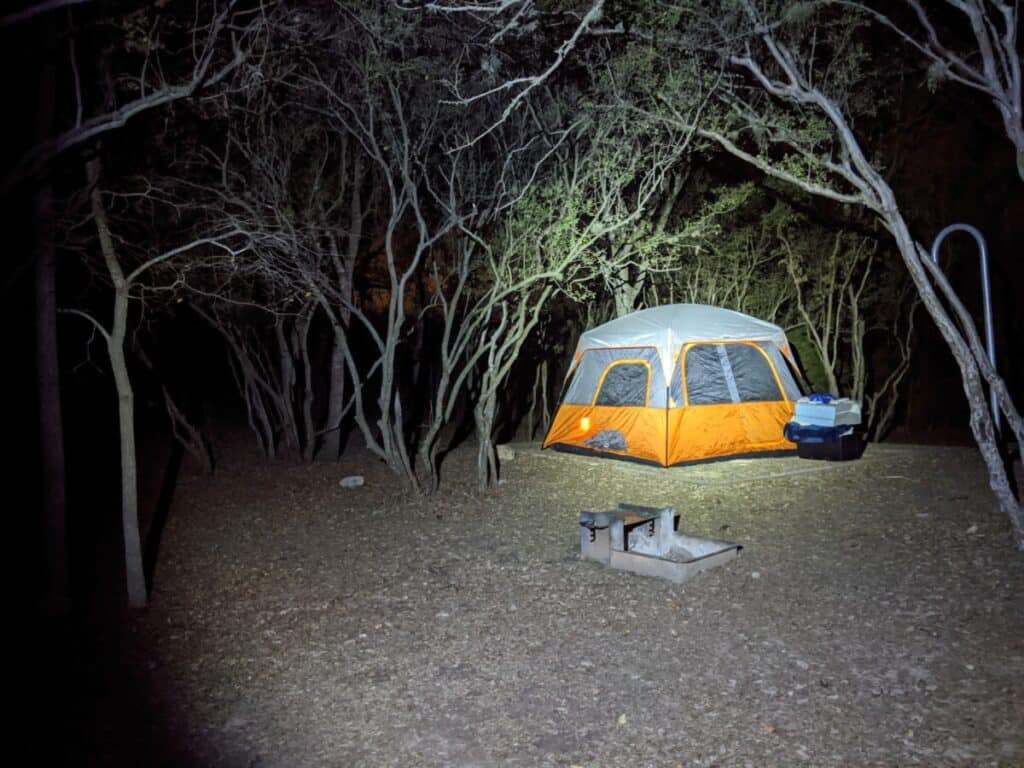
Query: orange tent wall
[
  {"x": 693, "y": 433},
  {"x": 643, "y": 428},
  {"x": 712, "y": 431}
]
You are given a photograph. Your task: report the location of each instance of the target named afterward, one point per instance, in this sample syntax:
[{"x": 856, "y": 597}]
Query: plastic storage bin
[{"x": 846, "y": 448}]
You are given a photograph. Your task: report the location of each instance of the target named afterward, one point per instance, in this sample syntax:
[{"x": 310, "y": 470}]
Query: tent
[{"x": 678, "y": 383}]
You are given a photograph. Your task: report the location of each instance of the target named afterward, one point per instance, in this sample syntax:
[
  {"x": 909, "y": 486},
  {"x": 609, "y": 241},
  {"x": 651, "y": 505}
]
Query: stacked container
[{"x": 825, "y": 427}]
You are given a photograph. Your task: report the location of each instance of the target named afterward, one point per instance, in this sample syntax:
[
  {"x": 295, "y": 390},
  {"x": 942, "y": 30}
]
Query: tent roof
[{"x": 671, "y": 326}]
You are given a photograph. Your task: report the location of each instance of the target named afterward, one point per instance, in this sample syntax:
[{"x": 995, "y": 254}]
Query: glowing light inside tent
[{"x": 585, "y": 424}]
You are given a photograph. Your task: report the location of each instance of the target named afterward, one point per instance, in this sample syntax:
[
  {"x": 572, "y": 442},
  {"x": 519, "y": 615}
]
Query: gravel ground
[{"x": 875, "y": 617}]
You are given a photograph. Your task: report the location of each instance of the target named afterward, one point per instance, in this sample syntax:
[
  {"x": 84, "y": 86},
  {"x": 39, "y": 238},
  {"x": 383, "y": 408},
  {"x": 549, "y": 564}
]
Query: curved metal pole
[{"x": 986, "y": 295}]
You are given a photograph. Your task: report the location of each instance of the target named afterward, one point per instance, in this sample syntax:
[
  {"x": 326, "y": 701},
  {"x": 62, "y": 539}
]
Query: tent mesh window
[
  {"x": 706, "y": 383},
  {"x": 729, "y": 373},
  {"x": 624, "y": 384},
  {"x": 590, "y": 373},
  {"x": 755, "y": 381}
]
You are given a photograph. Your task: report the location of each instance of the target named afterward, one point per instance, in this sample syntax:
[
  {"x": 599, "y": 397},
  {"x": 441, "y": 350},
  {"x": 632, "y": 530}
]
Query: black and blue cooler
[{"x": 825, "y": 428}]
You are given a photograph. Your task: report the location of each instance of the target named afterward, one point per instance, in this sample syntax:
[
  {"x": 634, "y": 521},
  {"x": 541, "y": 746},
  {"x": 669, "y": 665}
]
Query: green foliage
[
  {"x": 728, "y": 256},
  {"x": 810, "y": 361}
]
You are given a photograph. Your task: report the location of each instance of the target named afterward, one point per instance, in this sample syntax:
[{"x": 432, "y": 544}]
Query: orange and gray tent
[{"x": 678, "y": 383}]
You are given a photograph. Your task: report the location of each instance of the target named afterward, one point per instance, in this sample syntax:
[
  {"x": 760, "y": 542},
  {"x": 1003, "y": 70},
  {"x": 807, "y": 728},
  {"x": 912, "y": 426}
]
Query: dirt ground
[{"x": 875, "y": 617}]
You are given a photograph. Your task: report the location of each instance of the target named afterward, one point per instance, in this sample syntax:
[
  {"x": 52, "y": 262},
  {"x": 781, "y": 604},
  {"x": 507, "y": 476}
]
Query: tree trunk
[
  {"x": 391, "y": 419},
  {"x": 344, "y": 267},
  {"x": 331, "y": 446},
  {"x": 246, "y": 377},
  {"x": 545, "y": 409},
  {"x": 191, "y": 437},
  {"x": 627, "y": 290},
  {"x": 56, "y": 596},
  {"x": 301, "y": 337},
  {"x": 880, "y": 405},
  {"x": 486, "y": 460},
  {"x": 134, "y": 572},
  {"x": 286, "y": 388},
  {"x": 858, "y": 368}
]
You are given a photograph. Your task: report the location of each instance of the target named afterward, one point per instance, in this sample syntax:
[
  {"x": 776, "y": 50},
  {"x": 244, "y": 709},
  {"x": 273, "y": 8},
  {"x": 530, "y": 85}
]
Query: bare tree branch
[
  {"x": 32, "y": 11},
  {"x": 203, "y": 75},
  {"x": 529, "y": 83},
  {"x": 992, "y": 68}
]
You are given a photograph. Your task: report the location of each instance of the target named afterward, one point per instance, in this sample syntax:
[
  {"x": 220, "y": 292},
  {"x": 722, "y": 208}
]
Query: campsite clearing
[{"x": 875, "y": 617}]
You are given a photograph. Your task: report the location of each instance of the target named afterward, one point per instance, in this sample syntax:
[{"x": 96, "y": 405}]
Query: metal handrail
[{"x": 986, "y": 295}]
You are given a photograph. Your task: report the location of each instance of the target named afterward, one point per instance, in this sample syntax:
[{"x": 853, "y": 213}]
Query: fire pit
[{"x": 644, "y": 540}]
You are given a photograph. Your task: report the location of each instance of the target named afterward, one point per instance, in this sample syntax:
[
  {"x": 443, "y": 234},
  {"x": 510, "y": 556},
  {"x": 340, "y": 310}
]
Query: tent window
[
  {"x": 625, "y": 383},
  {"x": 706, "y": 383},
  {"x": 588, "y": 376},
  {"x": 755, "y": 380},
  {"x": 782, "y": 368}
]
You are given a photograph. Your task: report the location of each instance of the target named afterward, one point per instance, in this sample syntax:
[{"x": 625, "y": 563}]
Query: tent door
[{"x": 739, "y": 373}]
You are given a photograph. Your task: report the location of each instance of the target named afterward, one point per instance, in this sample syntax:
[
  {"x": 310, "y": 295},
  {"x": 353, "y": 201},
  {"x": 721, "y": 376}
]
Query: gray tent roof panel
[
  {"x": 668, "y": 328},
  {"x": 683, "y": 323}
]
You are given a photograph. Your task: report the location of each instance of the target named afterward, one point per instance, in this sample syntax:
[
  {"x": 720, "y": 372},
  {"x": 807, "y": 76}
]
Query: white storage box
[{"x": 840, "y": 411}]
